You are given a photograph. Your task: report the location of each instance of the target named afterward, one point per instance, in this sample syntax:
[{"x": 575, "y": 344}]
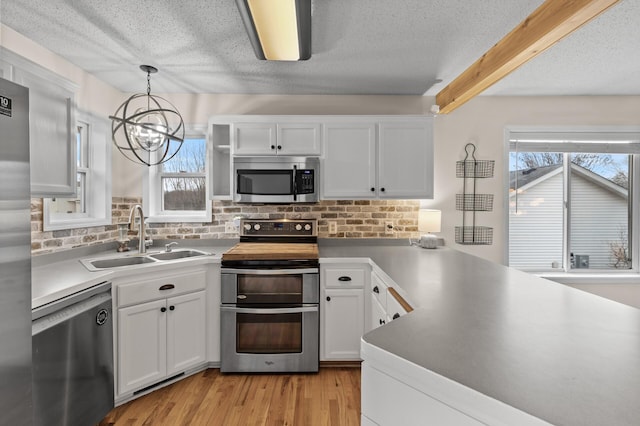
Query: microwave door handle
[{"x": 295, "y": 182}]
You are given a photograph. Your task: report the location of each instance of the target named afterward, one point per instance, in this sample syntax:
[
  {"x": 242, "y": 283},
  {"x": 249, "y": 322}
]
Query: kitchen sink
[
  {"x": 152, "y": 257},
  {"x": 177, "y": 254},
  {"x": 117, "y": 262}
]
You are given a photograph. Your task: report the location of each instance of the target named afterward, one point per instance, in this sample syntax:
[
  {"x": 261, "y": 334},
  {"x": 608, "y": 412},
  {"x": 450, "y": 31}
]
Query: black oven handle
[
  {"x": 272, "y": 311},
  {"x": 292, "y": 271}
]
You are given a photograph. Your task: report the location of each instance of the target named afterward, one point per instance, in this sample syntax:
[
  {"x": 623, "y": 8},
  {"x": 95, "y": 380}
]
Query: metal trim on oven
[
  {"x": 271, "y": 311},
  {"x": 270, "y": 271}
]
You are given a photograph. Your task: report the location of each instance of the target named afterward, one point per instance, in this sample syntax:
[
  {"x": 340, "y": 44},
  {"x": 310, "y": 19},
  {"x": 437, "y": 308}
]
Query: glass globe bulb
[{"x": 149, "y": 130}]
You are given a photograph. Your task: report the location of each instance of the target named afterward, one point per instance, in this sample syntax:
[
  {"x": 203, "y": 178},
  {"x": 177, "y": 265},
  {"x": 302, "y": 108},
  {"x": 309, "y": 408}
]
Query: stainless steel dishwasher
[{"x": 73, "y": 359}]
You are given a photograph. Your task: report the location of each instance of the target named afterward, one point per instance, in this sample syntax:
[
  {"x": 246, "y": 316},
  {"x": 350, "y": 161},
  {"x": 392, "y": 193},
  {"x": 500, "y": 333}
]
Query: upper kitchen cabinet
[
  {"x": 270, "y": 138},
  {"x": 52, "y": 136},
  {"x": 405, "y": 159},
  {"x": 349, "y": 164},
  {"x": 388, "y": 158}
]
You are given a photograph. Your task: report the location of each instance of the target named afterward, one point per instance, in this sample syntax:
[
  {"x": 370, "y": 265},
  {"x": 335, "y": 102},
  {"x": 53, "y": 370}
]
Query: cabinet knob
[
  {"x": 173, "y": 308},
  {"x": 167, "y": 287},
  {"x": 376, "y": 290},
  {"x": 279, "y": 146},
  {"x": 273, "y": 147},
  {"x": 381, "y": 189},
  {"x": 163, "y": 309},
  {"x": 328, "y": 299},
  {"x": 373, "y": 190},
  {"x": 344, "y": 278},
  {"x": 396, "y": 315},
  {"x": 382, "y": 321}
]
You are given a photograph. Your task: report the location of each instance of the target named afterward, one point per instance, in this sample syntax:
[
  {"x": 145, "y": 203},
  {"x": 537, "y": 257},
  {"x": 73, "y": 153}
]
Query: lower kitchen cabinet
[
  {"x": 342, "y": 313},
  {"x": 157, "y": 339}
]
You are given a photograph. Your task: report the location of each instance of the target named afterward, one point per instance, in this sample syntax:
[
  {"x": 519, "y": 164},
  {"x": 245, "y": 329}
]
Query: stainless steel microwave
[{"x": 279, "y": 180}]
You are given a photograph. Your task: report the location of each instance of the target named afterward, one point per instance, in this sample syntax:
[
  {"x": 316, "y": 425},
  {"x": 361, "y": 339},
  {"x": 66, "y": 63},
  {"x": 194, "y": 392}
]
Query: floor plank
[{"x": 331, "y": 397}]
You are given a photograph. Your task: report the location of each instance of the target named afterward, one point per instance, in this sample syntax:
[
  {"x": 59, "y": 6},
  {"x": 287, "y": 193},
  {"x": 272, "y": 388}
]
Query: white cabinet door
[
  {"x": 378, "y": 313},
  {"x": 186, "y": 335},
  {"x": 142, "y": 331},
  {"x": 51, "y": 135},
  {"x": 342, "y": 323},
  {"x": 405, "y": 159},
  {"x": 298, "y": 139},
  {"x": 349, "y": 165},
  {"x": 394, "y": 308},
  {"x": 254, "y": 139}
]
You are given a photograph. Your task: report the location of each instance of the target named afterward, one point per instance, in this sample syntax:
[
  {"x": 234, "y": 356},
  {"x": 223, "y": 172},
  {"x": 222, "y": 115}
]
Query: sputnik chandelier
[{"x": 146, "y": 128}]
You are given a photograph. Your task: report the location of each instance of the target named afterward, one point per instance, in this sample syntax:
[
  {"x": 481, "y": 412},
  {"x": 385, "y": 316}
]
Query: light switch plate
[
  {"x": 333, "y": 227},
  {"x": 230, "y": 228}
]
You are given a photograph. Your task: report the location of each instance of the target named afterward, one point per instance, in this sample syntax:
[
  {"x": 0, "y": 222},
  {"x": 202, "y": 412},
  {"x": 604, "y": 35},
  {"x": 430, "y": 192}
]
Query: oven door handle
[
  {"x": 269, "y": 271},
  {"x": 296, "y": 310}
]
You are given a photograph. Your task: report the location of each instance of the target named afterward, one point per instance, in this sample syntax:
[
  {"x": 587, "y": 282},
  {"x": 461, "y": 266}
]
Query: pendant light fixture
[
  {"x": 147, "y": 129},
  {"x": 279, "y": 30}
]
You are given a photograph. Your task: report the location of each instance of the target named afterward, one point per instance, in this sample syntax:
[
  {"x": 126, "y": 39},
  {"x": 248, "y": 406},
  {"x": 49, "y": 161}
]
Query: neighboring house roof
[{"x": 524, "y": 179}]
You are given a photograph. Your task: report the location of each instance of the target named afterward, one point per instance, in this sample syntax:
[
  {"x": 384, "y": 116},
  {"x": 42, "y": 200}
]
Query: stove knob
[
  {"x": 256, "y": 226},
  {"x": 307, "y": 227},
  {"x": 298, "y": 227},
  {"x": 247, "y": 226}
]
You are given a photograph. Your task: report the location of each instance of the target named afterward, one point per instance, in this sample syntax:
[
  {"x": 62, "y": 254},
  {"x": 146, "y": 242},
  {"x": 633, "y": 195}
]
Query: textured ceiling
[{"x": 408, "y": 47}]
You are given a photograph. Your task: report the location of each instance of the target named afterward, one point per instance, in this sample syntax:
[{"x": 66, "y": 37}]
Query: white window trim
[
  {"x": 588, "y": 133},
  {"x": 152, "y": 189},
  {"x": 97, "y": 184}
]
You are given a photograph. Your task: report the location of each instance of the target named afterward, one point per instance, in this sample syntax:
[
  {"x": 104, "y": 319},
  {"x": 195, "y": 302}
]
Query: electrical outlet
[
  {"x": 230, "y": 228},
  {"x": 333, "y": 227},
  {"x": 388, "y": 227}
]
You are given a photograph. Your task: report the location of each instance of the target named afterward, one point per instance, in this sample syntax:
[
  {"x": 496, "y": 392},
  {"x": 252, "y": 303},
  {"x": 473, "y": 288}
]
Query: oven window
[
  {"x": 261, "y": 289},
  {"x": 269, "y": 333},
  {"x": 265, "y": 182}
]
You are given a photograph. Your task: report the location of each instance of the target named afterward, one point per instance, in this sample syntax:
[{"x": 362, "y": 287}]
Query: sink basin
[
  {"x": 177, "y": 254},
  {"x": 119, "y": 261}
]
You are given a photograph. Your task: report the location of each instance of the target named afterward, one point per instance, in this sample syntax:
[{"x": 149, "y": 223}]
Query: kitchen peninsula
[{"x": 488, "y": 344}]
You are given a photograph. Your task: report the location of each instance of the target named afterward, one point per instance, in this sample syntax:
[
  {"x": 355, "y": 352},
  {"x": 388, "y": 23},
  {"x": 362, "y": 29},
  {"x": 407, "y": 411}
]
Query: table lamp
[{"x": 429, "y": 221}]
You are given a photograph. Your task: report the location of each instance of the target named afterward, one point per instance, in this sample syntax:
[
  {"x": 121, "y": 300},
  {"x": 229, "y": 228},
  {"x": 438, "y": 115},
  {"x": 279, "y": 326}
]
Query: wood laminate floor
[{"x": 331, "y": 397}]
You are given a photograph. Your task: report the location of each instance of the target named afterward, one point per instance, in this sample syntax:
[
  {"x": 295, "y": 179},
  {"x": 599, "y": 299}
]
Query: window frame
[
  {"x": 97, "y": 174},
  {"x": 152, "y": 187},
  {"x": 579, "y": 133}
]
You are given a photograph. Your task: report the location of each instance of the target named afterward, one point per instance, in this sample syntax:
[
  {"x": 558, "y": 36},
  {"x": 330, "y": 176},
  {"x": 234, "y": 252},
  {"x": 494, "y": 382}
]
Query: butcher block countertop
[{"x": 271, "y": 251}]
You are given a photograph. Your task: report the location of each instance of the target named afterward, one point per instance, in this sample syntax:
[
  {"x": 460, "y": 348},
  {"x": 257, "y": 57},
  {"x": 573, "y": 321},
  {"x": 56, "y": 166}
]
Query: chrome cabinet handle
[
  {"x": 242, "y": 296},
  {"x": 167, "y": 287}
]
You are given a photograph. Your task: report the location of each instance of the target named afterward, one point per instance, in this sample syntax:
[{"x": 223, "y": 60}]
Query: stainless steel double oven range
[{"x": 270, "y": 298}]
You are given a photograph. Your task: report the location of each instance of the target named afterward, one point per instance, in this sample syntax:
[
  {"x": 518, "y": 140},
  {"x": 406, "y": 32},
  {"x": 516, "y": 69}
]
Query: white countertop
[{"x": 560, "y": 354}]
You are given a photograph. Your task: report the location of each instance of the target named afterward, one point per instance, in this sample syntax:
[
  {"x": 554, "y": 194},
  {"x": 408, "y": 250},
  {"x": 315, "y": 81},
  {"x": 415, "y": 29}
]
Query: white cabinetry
[
  {"x": 161, "y": 327},
  {"x": 276, "y": 138},
  {"x": 51, "y": 126},
  {"x": 386, "y": 302},
  {"x": 382, "y": 159},
  {"x": 342, "y": 311}
]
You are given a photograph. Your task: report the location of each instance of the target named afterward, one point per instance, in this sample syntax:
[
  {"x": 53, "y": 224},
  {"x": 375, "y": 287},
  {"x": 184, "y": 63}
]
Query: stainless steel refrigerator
[{"x": 15, "y": 257}]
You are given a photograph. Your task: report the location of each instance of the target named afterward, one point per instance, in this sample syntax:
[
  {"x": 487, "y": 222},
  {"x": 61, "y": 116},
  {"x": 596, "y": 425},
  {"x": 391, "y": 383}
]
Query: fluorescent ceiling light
[{"x": 279, "y": 30}]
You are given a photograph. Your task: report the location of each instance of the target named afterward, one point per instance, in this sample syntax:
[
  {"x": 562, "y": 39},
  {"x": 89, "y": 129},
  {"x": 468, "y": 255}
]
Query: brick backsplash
[{"x": 354, "y": 219}]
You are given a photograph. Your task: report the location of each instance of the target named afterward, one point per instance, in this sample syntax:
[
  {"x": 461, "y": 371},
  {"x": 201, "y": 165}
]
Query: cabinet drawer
[
  {"x": 156, "y": 288},
  {"x": 344, "y": 277}
]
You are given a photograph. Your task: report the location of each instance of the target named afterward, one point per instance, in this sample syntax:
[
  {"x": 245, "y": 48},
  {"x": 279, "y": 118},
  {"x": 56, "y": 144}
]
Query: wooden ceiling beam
[{"x": 548, "y": 24}]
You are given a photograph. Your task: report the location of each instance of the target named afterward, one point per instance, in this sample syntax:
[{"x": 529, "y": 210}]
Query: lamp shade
[{"x": 429, "y": 220}]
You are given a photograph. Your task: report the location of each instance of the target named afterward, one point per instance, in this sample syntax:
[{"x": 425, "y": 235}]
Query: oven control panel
[{"x": 279, "y": 228}]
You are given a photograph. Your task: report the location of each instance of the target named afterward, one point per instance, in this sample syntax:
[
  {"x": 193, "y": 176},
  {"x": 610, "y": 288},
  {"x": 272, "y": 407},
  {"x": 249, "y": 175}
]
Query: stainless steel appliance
[
  {"x": 15, "y": 257},
  {"x": 270, "y": 298},
  {"x": 73, "y": 359},
  {"x": 276, "y": 180}
]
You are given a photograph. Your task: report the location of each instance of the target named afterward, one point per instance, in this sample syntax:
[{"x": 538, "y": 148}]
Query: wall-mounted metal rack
[{"x": 470, "y": 202}]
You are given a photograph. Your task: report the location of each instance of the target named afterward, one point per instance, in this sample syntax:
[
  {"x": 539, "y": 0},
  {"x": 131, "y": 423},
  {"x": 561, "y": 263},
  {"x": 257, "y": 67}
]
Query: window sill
[
  {"x": 591, "y": 278},
  {"x": 200, "y": 217}
]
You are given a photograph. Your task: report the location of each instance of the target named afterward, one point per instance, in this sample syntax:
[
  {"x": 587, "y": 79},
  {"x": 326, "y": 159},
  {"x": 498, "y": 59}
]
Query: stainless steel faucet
[{"x": 142, "y": 247}]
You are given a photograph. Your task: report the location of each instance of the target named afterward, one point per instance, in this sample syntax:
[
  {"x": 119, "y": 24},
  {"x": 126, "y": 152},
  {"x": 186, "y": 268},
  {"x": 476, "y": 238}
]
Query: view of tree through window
[
  {"x": 183, "y": 178},
  {"x": 573, "y": 201}
]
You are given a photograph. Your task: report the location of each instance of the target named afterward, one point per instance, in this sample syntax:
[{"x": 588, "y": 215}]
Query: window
[
  {"x": 571, "y": 203},
  {"x": 177, "y": 189},
  {"x": 92, "y": 204}
]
